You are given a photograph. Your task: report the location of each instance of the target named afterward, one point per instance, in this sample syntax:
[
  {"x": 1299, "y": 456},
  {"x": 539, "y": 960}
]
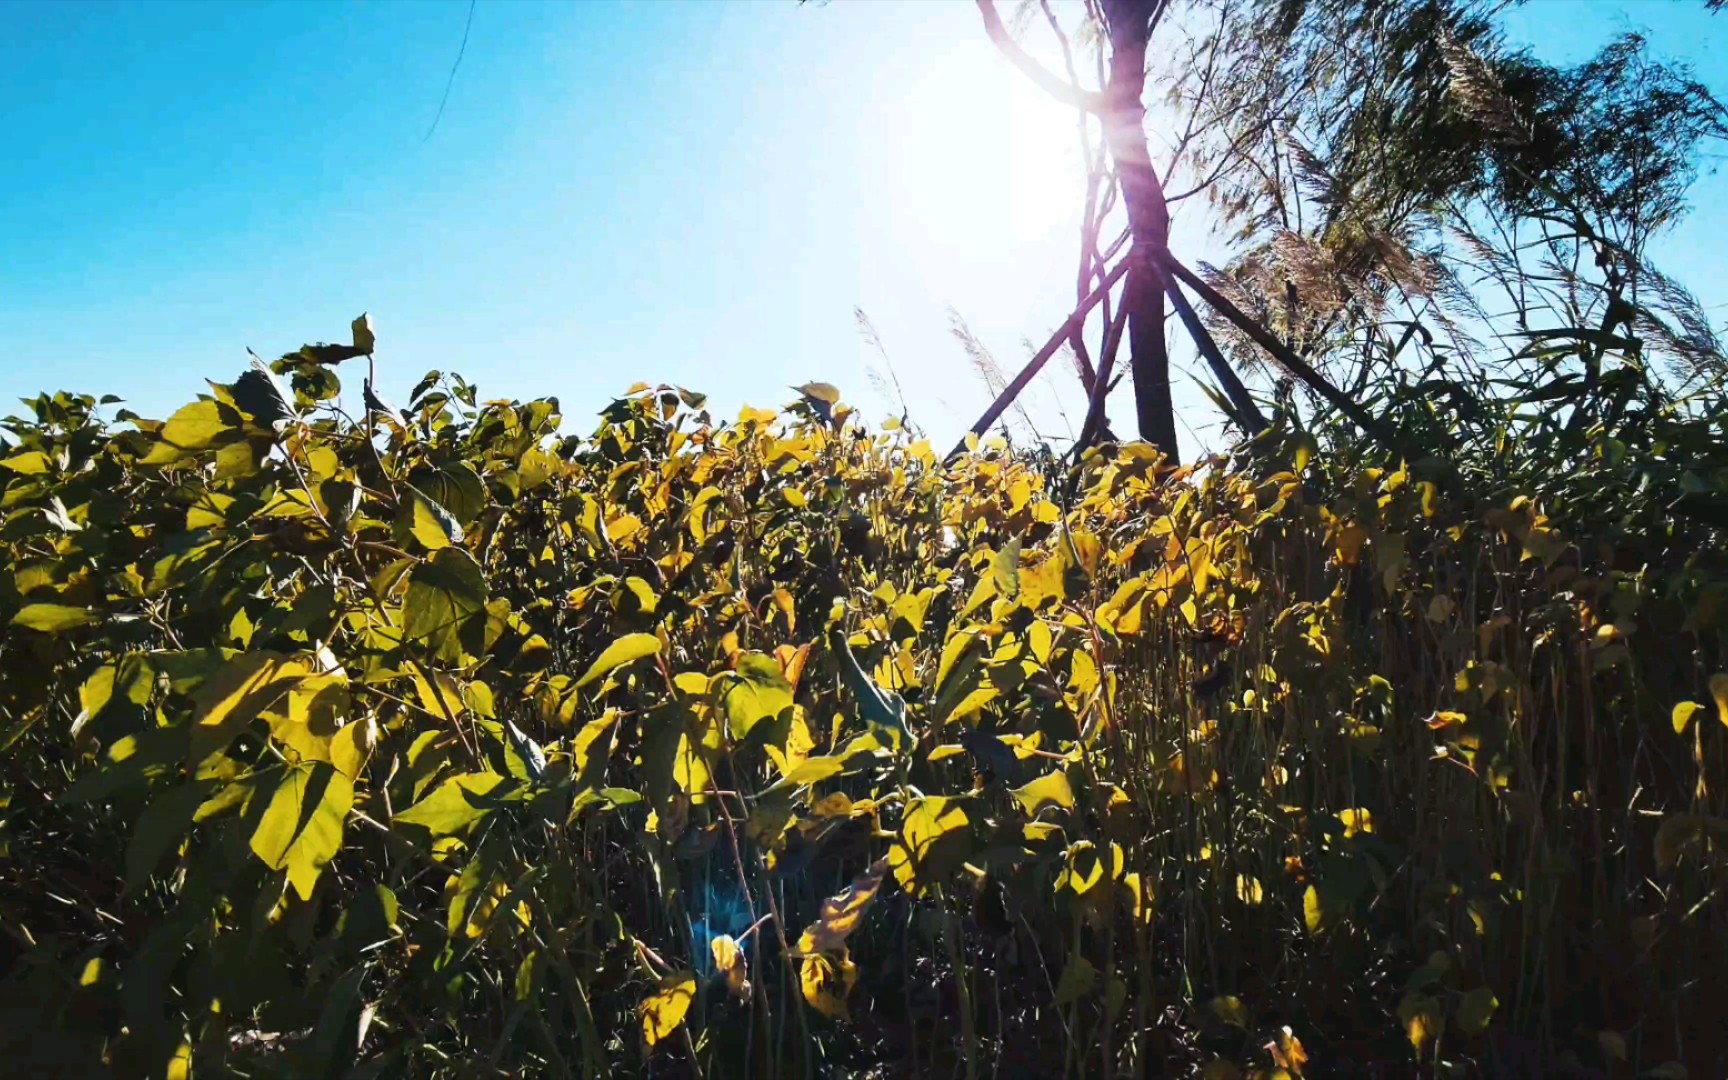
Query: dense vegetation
[
  {"x": 437, "y": 742},
  {"x": 345, "y": 742}
]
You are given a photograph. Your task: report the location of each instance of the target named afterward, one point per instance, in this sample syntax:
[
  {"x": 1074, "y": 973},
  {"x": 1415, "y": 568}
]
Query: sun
[{"x": 977, "y": 155}]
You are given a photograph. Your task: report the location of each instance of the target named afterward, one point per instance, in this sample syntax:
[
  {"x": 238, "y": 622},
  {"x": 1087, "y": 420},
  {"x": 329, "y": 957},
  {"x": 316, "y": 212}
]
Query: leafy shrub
[{"x": 439, "y": 743}]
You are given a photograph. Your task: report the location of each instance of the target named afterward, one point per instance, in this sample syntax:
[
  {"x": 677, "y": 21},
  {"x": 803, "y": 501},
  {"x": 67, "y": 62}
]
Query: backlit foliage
[{"x": 441, "y": 742}]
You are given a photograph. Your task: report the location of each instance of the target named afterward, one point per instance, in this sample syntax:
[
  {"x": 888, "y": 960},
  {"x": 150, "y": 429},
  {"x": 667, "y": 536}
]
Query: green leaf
[
  {"x": 1078, "y": 979},
  {"x": 455, "y": 487},
  {"x": 193, "y": 427},
  {"x": 431, "y": 524},
  {"x": 758, "y": 692},
  {"x": 827, "y": 393},
  {"x": 880, "y": 708},
  {"x": 257, "y": 394},
  {"x": 364, "y": 339},
  {"x": 159, "y": 829},
  {"x": 1049, "y": 788},
  {"x": 1005, "y": 570},
  {"x": 622, "y": 651},
  {"x": 53, "y": 618},
  {"x": 1476, "y": 1009},
  {"x": 1229, "y": 1008},
  {"x": 454, "y": 805},
  {"x": 443, "y": 594},
  {"x": 301, "y": 830}
]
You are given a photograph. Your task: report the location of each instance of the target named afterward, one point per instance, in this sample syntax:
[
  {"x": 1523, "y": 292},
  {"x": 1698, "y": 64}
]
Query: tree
[
  {"x": 1122, "y": 112},
  {"x": 1383, "y": 168}
]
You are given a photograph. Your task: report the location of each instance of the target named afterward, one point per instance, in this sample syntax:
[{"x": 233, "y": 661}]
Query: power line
[{"x": 445, "y": 100}]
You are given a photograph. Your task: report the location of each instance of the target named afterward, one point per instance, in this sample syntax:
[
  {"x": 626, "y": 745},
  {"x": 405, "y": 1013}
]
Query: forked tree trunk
[{"x": 1124, "y": 121}]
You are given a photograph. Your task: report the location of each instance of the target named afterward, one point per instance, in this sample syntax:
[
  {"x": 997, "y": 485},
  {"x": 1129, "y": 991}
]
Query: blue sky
[{"x": 696, "y": 193}]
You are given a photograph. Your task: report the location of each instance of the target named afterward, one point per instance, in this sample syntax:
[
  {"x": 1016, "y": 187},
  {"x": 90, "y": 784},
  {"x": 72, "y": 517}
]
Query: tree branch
[
  {"x": 1041, "y": 357},
  {"x": 1248, "y": 412},
  {"x": 1052, "y": 85},
  {"x": 1285, "y": 356}
]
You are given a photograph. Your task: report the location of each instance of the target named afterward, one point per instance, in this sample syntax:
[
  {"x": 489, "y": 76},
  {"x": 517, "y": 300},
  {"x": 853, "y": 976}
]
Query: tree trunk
[{"x": 1124, "y": 122}]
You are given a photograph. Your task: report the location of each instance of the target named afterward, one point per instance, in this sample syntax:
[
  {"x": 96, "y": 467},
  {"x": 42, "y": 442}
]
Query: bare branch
[
  {"x": 1042, "y": 356},
  {"x": 1052, "y": 85}
]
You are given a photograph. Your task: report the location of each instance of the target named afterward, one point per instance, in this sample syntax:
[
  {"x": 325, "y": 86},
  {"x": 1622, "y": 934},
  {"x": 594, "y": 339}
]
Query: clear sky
[{"x": 697, "y": 193}]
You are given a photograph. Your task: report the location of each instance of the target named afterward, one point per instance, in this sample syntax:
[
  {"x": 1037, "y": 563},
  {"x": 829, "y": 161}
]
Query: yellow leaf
[
  {"x": 812, "y": 770},
  {"x": 352, "y": 745},
  {"x": 1140, "y": 893},
  {"x": 729, "y": 961},
  {"x": 442, "y": 697},
  {"x": 620, "y": 652},
  {"x": 841, "y": 913},
  {"x": 1719, "y": 691},
  {"x": 180, "y": 1065},
  {"x": 826, "y": 982},
  {"x": 301, "y": 829},
  {"x": 1049, "y": 788},
  {"x": 1249, "y": 890},
  {"x": 926, "y": 822},
  {"x": 1356, "y": 821},
  {"x": 432, "y": 525},
  {"x": 451, "y": 806},
  {"x": 235, "y": 696},
  {"x": 1613, "y": 1044},
  {"x": 1421, "y": 1017},
  {"x": 1083, "y": 869},
  {"x": 664, "y": 1009},
  {"x": 1683, "y": 715},
  {"x": 1313, "y": 913},
  {"x": 1349, "y": 544},
  {"x": 1680, "y": 833}
]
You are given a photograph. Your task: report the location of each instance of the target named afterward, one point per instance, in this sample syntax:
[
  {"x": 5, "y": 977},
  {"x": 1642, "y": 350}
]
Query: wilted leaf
[
  {"x": 880, "y": 708},
  {"x": 842, "y": 912},
  {"x": 826, "y": 981},
  {"x": 729, "y": 961}
]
